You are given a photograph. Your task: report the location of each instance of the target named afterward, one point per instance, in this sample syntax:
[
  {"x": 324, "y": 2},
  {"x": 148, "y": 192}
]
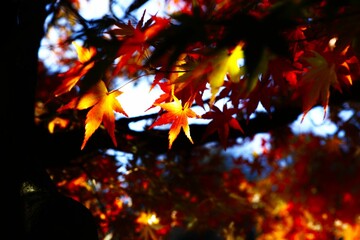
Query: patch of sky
[
  {"x": 98, "y": 8},
  {"x": 51, "y": 53},
  {"x": 94, "y": 9},
  {"x": 346, "y": 114},
  {"x": 123, "y": 158},
  {"x": 315, "y": 123},
  {"x": 285, "y": 161},
  {"x": 90, "y": 10},
  {"x": 248, "y": 148},
  {"x": 138, "y": 97}
]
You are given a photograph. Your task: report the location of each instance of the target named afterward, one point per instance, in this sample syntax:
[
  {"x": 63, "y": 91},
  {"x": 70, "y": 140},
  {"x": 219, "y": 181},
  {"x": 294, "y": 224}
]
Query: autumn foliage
[{"x": 216, "y": 62}]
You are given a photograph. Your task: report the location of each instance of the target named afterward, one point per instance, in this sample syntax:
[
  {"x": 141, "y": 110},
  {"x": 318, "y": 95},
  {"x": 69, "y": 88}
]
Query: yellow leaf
[
  {"x": 149, "y": 223},
  {"x": 224, "y": 63},
  {"x": 147, "y": 218},
  {"x": 88, "y": 99},
  {"x": 214, "y": 70},
  {"x": 57, "y": 123},
  {"x": 233, "y": 63},
  {"x": 84, "y": 54},
  {"x": 103, "y": 111},
  {"x": 178, "y": 116},
  {"x": 351, "y": 231},
  {"x": 103, "y": 106},
  {"x": 217, "y": 74}
]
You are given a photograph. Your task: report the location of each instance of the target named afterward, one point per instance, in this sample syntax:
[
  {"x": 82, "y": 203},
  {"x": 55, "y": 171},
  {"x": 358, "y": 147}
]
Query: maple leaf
[
  {"x": 81, "y": 67},
  {"x": 225, "y": 63},
  {"x": 316, "y": 83},
  {"x": 214, "y": 70},
  {"x": 177, "y": 115},
  {"x": 159, "y": 24},
  {"x": 283, "y": 73},
  {"x": 164, "y": 97},
  {"x": 167, "y": 87},
  {"x": 233, "y": 90},
  {"x": 134, "y": 40},
  {"x": 256, "y": 166},
  {"x": 262, "y": 93},
  {"x": 148, "y": 225},
  {"x": 103, "y": 105},
  {"x": 221, "y": 122},
  {"x": 57, "y": 123}
]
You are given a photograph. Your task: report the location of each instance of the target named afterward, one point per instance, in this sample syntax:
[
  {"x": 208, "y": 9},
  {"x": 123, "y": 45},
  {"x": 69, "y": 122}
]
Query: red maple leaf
[
  {"x": 74, "y": 74},
  {"x": 221, "y": 122},
  {"x": 262, "y": 93}
]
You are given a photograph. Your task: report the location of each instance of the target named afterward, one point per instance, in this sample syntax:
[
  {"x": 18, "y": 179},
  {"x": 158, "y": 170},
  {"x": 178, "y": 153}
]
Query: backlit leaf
[
  {"x": 316, "y": 83},
  {"x": 103, "y": 105},
  {"x": 177, "y": 115},
  {"x": 71, "y": 77},
  {"x": 221, "y": 64},
  {"x": 221, "y": 122}
]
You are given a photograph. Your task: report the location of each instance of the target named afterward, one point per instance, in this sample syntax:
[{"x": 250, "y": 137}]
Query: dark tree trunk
[
  {"x": 24, "y": 30},
  {"x": 53, "y": 216}
]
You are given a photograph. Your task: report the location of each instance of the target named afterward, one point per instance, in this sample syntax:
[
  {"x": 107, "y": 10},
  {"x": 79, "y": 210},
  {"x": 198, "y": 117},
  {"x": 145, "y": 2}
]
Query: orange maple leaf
[
  {"x": 178, "y": 116},
  {"x": 103, "y": 105},
  {"x": 82, "y": 66}
]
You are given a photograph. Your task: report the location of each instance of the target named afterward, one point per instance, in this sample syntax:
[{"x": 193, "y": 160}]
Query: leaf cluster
[{"x": 215, "y": 61}]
